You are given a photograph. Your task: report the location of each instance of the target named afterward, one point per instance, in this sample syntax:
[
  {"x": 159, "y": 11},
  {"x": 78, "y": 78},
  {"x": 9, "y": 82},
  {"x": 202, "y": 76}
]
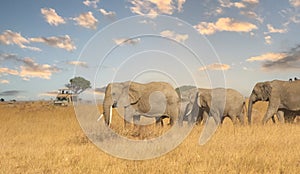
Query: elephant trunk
[
  {"x": 107, "y": 105},
  {"x": 250, "y": 104}
]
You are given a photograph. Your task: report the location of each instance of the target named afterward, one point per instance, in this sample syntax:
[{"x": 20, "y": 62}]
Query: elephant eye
[{"x": 113, "y": 93}]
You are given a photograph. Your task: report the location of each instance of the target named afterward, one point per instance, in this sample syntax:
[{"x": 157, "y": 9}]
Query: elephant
[
  {"x": 217, "y": 103},
  {"x": 187, "y": 97},
  {"x": 154, "y": 99},
  {"x": 280, "y": 95}
]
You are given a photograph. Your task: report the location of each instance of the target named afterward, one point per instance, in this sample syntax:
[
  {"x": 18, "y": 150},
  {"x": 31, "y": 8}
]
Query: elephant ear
[
  {"x": 108, "y": 90},
  {"x": 204, "y": 99},
  {"x": 134, "y": 92},
  {"x": 266, "y": 90}
]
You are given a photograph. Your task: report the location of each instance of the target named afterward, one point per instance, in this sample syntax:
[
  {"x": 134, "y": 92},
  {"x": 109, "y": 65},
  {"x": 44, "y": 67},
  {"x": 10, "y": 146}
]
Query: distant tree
[{"x": 78, "y": 84}]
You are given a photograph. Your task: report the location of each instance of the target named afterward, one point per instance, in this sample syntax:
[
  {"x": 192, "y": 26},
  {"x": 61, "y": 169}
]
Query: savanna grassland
[{"x": 37, "y": 137}]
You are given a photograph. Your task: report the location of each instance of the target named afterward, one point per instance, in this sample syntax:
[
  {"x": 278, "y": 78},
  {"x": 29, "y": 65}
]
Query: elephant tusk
[
  {"x": 100, "y": 117},
  {"x": 110, "y": 115},
  {"x": 188, "y": 113}
]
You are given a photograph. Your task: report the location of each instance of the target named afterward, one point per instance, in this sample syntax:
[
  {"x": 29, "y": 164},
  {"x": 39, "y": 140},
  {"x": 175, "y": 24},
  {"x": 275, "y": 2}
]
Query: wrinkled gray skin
[
  {"x": 281, "y": 95},
  {"x": 155, "y": 99},
  {"x": 217, "y": 103}
]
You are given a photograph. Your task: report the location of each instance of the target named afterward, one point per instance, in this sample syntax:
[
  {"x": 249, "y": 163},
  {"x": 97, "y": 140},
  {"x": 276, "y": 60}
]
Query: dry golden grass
[{"x": 38, "y": 137}]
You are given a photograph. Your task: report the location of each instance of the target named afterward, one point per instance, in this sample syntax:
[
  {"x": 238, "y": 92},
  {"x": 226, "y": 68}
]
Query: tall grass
[{"x": 38, "y": 137}]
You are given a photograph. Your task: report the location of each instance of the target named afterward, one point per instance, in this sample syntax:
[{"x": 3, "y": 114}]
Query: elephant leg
[
  {"x": 190, "y": 119},
  {"x": 194, "y": 114},
  {"x": 136, "y": 119},
  {"x": 233, "y": 119},
  {"x": 171, "y": 121},
  {"x": 289, "y": 117},
  {"x": 159, "y": 121},
  {"x": 184, "y": 112},
  {"x": 292, "y": 118},
  {"x": 180, "y": 120},
  {"x": 270, "y": 113},
  {"x": 280, "y": 116},
  {"x": 204, "y": 117},
  {"x": 272, "y": 110},
  {"x": 128, "y": 116},
  {"x": 222, "y": 119},
  {"x": 241, "y": 118},
  {"x": 126, "y": 122},
  {"x": 173, "y": 114},
  {"x": 217, "y": 117},
  {"x": 182, "y": 117},
  {"x": 200, "y": 117},
  {"x": 273, "y": 119},
  {"x": 136, "y": 124}
]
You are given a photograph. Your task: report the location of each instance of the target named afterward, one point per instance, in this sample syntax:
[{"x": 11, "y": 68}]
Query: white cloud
[
  {"x": 110, "y": 14},
  {"x": 12, "y": 38},
  {"x": 164, "y": 6},
  {"x": 122, "y": 41},
  {"x": 206, "y": 28},
  {"x": 180, "y": 4},
  {"x": 7, "y": 56},
  {"x": 239, "y": 5},
  {"x": 29, "y": 69},
  {"x": 225, "y": 24},
  {"x": 64, "y": 42},
  {"x": 268, "y": 40},
  {"x": 225, "y": 3},
  {"x": 25, "y": 78},
  {"x": 295, "y": 3},
  {"x": 4, "y": 81},
  {"x": 9, "y": 37},
  {"x": 52, "y": 17},
  {"x": 32, "y": 69},
  {"x": 155, "y": 7},
  {"x": 253, "y": 15},
  {"x": 78, "y": 63},
  {"x": 91, "y": 3},
  {"x": 216, "y": 67},
  {"x": 290, "y": 61},
  {"x": 267, "y": 57},
  {"x": 271, "y": 29},
  {"x": 291, "y": 14},
  {"x": 8, "y": 71},
  {"x": 172, "y": 35},
  {"x": 251, "y": 1},
  {"x": 86, "y": 20},
  {"x": 247, "y": 8}
]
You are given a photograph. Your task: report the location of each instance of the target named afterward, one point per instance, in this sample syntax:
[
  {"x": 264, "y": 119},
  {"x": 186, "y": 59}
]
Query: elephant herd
[{"x": 159, "y": 100}]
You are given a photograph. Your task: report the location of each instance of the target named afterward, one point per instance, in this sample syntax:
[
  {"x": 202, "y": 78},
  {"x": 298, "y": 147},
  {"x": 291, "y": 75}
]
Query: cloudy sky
[{"x": 209, "y": 43}]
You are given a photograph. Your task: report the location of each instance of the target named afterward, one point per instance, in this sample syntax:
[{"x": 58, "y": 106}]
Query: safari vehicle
[{"x": 64, "y": 97}]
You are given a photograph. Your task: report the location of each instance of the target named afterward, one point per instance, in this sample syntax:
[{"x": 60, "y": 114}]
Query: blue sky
[{"x": 185, "y": 42}]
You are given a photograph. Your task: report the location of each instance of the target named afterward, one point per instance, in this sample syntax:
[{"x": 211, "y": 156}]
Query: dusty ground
[{"x": 38, "y": 137}]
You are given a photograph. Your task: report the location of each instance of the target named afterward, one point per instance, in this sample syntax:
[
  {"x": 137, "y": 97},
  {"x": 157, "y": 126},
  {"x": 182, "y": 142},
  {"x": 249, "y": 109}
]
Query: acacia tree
[{"x": 78, "y": 84}]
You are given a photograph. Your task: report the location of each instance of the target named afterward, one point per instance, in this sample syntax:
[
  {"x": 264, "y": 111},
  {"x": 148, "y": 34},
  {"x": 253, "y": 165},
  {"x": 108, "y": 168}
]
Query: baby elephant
[{"x": 217, "y": 103}]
